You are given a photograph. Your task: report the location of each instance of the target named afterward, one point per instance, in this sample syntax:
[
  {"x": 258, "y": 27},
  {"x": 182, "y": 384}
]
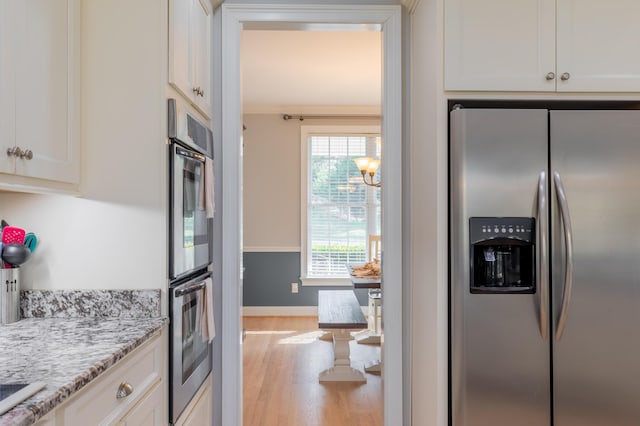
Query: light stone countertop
[
  {"x": 71, "y": 345},
  {"x": 66, "y": 354}
]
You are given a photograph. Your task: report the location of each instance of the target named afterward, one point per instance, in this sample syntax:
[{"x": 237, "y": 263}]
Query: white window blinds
[{"x": 341, "y": 209}]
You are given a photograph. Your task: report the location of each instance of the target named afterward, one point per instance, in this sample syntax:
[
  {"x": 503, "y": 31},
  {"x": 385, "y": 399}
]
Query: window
[{"x": 338, "y": 210}]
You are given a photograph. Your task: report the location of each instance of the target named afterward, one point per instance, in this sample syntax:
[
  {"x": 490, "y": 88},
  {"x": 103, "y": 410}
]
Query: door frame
[{"x": 388, "y": 19}]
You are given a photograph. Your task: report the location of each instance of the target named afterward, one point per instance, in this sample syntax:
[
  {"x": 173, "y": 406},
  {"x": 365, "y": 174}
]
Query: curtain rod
[{"x": 287, "y": 117}]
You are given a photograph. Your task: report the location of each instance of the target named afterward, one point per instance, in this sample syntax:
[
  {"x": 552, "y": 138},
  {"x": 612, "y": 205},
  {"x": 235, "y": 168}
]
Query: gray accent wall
[{"x": 268, "y": 277}]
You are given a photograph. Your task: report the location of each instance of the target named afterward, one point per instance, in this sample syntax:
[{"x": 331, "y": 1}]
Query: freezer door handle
[
  {"x": 543, "y": 271},
  {"x": 568, "y": 243}
]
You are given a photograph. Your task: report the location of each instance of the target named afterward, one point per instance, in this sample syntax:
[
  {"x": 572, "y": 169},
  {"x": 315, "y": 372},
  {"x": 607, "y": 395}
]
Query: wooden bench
[{"x": 339, "y": 312}]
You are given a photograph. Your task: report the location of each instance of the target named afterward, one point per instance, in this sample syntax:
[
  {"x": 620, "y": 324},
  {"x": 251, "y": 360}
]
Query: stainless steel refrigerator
[{"x": 544, "y": 267}]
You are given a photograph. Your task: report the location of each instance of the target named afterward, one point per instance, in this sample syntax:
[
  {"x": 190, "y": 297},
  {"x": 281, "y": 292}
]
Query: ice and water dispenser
[{"x": 502, "y": 255}]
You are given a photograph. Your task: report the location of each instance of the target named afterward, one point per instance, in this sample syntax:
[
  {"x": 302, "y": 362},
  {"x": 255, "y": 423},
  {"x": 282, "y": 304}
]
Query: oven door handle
[{"x": 190, "y": 289}]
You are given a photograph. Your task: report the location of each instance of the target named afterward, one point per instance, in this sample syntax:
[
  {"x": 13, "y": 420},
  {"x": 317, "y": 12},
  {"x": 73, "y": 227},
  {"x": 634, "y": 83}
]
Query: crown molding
[
  {"x": 410, "y": 4},
  {"x": 373, "y": 110}
]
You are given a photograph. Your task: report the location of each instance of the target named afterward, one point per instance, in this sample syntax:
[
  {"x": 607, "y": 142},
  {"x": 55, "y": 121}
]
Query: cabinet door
[
  {"x": 98, "y": 403},
  {"x": 597, "y": 44},
  {"x": 190, "y": 51},
  {"x": 150, "y": 411},
  {"x": 49, "y": 420},
  {"x": 180, "y": 66},
  {"x": 47, "y": 80},
  {"x": 201, "y": 45},
  {"x": 500, "y": 45},
  {"x": 7, "y": 83}
]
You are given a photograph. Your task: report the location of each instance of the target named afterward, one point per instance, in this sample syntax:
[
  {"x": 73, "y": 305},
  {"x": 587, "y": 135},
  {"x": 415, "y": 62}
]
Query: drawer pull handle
[{"x": 124, "y": 390}]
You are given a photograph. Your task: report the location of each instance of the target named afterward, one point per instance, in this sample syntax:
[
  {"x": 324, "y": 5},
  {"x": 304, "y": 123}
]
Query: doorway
[{"x": 235, "y": 17}]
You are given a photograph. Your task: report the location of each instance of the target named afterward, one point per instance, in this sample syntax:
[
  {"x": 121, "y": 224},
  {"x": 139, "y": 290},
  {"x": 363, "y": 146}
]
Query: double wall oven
[{"x": 190, "y": 242}]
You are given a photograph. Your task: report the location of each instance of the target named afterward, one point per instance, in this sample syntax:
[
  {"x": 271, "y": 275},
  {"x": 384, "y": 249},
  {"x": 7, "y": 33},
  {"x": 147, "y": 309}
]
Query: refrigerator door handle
[
  {"x": 568, "y": 242},
  {"x": 543, "y": 271}
]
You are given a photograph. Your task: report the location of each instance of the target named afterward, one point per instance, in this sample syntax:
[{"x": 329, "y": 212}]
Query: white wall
[
  {"x": 115, "y": 235},
  {"x": 429, "y": 215},
  {"x": 88, "y": 244},
  {"x": 428, "y": 226},
  {"x": 272, "y": 179},
  {"x": 271, "y": 182}
]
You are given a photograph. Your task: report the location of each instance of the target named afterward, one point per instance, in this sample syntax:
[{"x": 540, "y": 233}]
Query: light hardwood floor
[{"x": 282, "y": 360}]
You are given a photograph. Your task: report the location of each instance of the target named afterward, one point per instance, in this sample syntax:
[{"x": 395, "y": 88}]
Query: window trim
[{"x": 305, "y": 133}]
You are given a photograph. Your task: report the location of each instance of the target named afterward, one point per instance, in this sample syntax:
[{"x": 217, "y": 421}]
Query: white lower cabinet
[
  {"x": 49, "y": 420},
  {"x": 150, "y": 411},
  {"x": 200, "y": 410},
  {"x": 133, "y": 392}
]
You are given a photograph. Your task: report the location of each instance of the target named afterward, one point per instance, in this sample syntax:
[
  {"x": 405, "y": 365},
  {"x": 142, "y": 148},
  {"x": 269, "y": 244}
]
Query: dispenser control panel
[
  {"x": 502, "y": 255},
  {"x": 484, "y": 228}
]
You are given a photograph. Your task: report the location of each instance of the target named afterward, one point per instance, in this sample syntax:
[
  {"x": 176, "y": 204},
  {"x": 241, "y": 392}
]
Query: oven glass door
[
  {"x": 194, "y": 347},
  {"x": 189, "y": 233},
  {"x": 190, "y": 352}
]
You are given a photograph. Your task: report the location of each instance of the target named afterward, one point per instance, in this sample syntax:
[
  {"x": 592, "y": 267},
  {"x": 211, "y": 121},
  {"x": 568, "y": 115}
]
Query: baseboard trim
[{"x": 285, "y": 311}]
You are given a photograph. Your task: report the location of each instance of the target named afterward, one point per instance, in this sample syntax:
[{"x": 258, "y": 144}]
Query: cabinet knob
[
  {"x": 124, "y": 390},
  {"x": 196, "y": 90},
  {"x": 11, "y": 151},
  {"x": 550, "y": 76},
  {"x": 26, "y": 154},
  {"x": 565, "y": 76}
]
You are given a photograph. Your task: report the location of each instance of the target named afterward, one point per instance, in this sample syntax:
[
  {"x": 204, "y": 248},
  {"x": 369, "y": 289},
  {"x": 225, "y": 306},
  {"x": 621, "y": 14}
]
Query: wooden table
[
  {"x": 369, "y": 283},
  {"x": 374, "y": 336},
  {"x": 340, "y": 312}
]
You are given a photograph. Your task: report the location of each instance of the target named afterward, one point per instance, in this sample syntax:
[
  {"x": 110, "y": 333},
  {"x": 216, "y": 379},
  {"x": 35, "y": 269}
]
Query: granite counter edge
[{"x": 32, "y": 413}]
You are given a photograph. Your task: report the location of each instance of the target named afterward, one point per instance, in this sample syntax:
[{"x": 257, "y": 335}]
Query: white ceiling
[{"x": 311, "y": 70}]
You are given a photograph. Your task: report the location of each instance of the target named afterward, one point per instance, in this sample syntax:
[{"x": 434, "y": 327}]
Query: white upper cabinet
[
  {"x": 598, "y": 45},
  {"x": 542, "y": 45},
  {"x": 39, "y": 79},
  {"x": 190, "y": 51},
  {"x": 7, "y": 88},
  {"x": 202, "y": 55},
  {"x": 499, "y": 44}
]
